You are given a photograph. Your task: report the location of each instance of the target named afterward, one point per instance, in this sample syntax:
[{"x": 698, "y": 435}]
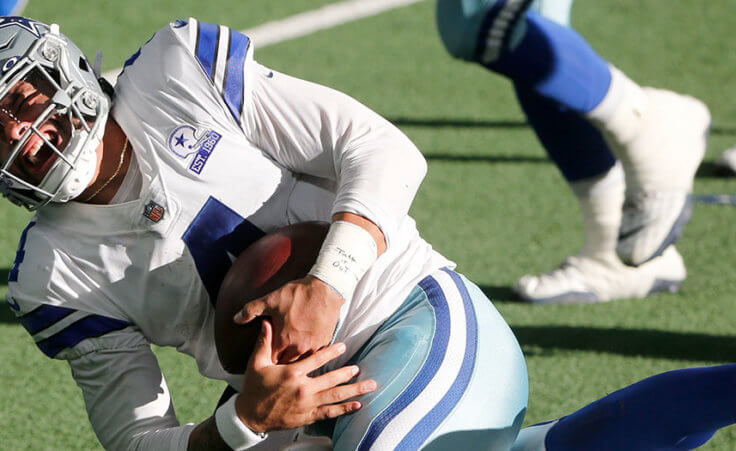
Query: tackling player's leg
[
  {"x": 676, "y": 410},
  {"x": 548, "y": 60},
  {"x": 582, "y": 155}
]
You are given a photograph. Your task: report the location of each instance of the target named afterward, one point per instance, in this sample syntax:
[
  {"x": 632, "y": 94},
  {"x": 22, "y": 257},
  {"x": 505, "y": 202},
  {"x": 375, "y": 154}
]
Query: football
[{"x": 281, "y": 256}]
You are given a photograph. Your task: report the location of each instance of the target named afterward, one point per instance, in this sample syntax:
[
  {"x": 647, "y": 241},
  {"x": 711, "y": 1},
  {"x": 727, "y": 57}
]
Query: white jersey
[{"x": 228, "y": 150}]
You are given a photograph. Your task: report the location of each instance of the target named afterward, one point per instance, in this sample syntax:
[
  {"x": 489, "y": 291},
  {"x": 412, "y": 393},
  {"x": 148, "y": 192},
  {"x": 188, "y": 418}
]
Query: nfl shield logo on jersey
[
  {"x": 153, "y": 212},
  {"x": 195, "y": 148}
]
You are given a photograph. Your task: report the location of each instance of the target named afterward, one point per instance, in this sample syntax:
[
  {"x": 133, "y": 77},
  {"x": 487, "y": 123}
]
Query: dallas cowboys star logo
[
  {"x": 181, "y": 140},
  {"x": 35, "y": 28}
]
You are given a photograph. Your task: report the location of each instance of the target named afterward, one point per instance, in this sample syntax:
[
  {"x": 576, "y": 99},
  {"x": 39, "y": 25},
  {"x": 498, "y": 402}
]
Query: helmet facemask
[{"x": 55, "y": 158}]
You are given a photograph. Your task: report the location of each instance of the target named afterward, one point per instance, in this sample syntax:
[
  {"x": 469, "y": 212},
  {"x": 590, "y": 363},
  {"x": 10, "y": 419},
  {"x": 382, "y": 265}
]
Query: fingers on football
[
  {"x": 335, "y": 377},
  {"x": 321, "y": 357},
  {"x": 342, "y": 392},
  {"x": 262, "y": 351},
  {"x": 335, "y": 410},
  {"x": 250, "y": 311}
]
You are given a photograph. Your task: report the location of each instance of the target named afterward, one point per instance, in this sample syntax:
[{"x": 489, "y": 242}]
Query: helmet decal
[
  {"x": 9, "y": 42},
  {"x": 30, "y": 25}
]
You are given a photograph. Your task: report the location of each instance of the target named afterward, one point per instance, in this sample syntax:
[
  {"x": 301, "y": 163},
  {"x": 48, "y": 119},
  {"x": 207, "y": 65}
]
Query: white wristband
[
  {"x": 346, "y": 254},
  {"x": 232, "y": 429}
]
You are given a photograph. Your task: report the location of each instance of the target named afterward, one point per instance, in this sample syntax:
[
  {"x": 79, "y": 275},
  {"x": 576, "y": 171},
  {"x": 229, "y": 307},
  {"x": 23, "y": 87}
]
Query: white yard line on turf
[{"x": 309, "y": 22}]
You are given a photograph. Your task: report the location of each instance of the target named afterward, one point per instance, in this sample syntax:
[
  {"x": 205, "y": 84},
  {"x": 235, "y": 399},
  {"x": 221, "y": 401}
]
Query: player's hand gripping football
[
  {"x": 304, "y": 314},
  {"x": 284, "y": 396}
]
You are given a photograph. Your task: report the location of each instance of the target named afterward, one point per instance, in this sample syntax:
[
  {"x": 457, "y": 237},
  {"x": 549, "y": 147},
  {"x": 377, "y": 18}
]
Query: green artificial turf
[{"x": 491, "y": 201}]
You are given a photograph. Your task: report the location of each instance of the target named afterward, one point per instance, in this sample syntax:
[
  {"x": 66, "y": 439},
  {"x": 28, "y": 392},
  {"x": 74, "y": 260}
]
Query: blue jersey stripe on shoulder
[
  {"x": 233, "y": 88},
  {"x": 132, "y": 59},
  {"x": 208, "y": 37},
  {"x": 88, "y": 327},
  {"x": 20, "y": 255},
  {"x": 44, "y": 316}
]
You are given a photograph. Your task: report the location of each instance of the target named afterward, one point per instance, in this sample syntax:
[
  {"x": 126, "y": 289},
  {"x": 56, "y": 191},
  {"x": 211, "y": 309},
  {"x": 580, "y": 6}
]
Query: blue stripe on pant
[{"x": 449, "y": 370}]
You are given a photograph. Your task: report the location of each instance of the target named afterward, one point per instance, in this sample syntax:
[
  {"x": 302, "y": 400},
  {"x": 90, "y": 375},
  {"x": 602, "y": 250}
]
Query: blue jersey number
[
  {"x": 20, "y": 255},
  {"x": 215, "y": 237}
]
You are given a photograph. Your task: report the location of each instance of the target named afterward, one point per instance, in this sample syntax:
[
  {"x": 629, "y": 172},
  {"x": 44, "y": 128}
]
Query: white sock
[
  {"x": 619, "y": 113},
  {"x": 601, "y": 199}
]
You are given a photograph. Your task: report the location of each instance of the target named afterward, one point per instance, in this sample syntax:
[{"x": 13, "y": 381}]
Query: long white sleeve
[{"x": 315, "y": 130}]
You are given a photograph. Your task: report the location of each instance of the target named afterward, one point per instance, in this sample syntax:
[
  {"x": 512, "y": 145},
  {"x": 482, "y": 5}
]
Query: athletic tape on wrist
[
  {"x": 232, "y": 430},
  {"x": 346, "y": 254}
]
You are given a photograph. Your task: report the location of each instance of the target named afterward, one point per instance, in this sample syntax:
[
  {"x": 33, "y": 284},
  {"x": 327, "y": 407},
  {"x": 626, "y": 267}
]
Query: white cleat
[
  {"x": 727, "y": 161},
  {"x": 660, "y": 161},
  {"x": 651, "y": 222},
  {"x": 586, "y": 280}
]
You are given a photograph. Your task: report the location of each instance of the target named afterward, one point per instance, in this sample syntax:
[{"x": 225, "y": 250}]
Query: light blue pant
[
  {"x": 450, "y": 374},
  {"x": 459, "y": 22},
  {"x": 556, "y": 10}
]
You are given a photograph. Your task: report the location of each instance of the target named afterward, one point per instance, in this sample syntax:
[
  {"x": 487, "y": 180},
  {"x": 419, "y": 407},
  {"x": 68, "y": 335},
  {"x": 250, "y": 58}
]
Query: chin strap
[
  {"x": 97, "y": 70},
  {"x": 97, "y": 65}
]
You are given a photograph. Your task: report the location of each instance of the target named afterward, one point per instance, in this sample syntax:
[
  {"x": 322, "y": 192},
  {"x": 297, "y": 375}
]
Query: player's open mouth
[{"x": 37, "y": 155}]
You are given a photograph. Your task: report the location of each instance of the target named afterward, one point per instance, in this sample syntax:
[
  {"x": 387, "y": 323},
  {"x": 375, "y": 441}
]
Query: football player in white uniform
[
  {"x": 628, "y": 152},
  {"x": 139, "y": 213},
  {"x": 203, "y": 152}
]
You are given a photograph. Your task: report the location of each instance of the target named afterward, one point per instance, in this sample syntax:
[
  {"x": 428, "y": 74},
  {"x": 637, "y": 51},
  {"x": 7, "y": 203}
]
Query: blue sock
[
  {"x": 575, "y": 146},
  {"x": 677, "y": 410},
  {"x": 553, "y": 61}
]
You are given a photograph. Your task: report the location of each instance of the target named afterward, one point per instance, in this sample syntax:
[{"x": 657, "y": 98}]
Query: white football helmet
[{"x": 64, "y": 160}]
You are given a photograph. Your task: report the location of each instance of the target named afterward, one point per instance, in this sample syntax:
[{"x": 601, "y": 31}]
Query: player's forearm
[
  {"x": 380, "y": 178},
  {"x": 350, "y": 248},
  {"x": 366, "y": 224}
]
